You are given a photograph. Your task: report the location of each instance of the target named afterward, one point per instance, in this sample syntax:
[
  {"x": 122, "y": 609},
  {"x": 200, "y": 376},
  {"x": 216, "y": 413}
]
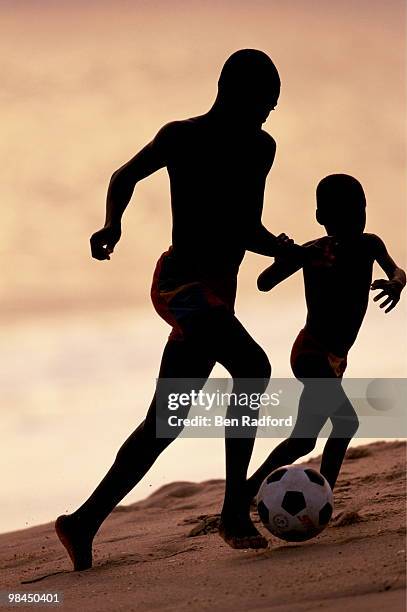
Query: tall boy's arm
[
  {"x": 392, "y": 288},
  {"x": 281, "y": 269},
  {"x": 149, "y": 159},
  {"x": 263, "y": 242},
  {"x": 258, "y": 238}
]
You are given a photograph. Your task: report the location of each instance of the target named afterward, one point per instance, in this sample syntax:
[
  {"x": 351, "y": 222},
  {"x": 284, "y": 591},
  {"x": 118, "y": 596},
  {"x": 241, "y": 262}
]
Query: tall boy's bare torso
[{"x": 217, "y": 175}]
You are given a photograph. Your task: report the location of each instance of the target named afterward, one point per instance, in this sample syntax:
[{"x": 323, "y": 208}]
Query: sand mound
[
  {"x": 144, "y": 559},
  {"x": 358, "y": 452}
]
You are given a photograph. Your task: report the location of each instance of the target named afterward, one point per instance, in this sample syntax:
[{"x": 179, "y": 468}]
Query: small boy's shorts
[{"x": 306, "y": 345}]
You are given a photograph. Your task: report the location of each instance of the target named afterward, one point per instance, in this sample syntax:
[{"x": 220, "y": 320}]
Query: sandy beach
[{"x": 163, "y": 553}]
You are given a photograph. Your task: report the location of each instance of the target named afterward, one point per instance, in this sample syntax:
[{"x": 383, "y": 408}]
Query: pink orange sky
[{"x": 85, "y": 85}]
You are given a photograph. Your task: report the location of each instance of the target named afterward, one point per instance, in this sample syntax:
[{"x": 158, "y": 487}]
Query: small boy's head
[{"x": 341, "y": 205}]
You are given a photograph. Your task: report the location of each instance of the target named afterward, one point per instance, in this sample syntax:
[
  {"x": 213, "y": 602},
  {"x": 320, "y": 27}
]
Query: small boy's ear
[{"x": 319, "y": 217}]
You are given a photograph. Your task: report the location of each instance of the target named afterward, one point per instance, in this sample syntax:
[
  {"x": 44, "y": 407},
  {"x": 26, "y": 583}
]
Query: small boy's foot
[
  {"x": 76, "y": 540},
  {"x": 241, "y": 533}
]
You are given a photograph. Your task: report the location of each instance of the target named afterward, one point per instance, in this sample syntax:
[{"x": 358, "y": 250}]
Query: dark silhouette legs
[
  {"x": 132, "y": 462},
  {"x": 141, "y": 449},
  {"x": 212, "y": 336},
  {"x": 320, "y": 400}
]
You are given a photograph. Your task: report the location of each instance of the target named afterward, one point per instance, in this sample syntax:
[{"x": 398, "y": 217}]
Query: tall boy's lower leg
[
  {"x": 133, "y": 460},
  {"x": 77, "y": 530},
  {"x": 236, "y": 526},
  {"x": 225, "y": 338}
]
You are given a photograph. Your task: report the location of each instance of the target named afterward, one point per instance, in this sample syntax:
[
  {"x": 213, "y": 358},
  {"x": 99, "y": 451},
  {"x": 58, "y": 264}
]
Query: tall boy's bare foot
[
  {"x": 76, "y": 539},
  {"x": 239, "y": 532},
  {"x": 252, "y": 488}
]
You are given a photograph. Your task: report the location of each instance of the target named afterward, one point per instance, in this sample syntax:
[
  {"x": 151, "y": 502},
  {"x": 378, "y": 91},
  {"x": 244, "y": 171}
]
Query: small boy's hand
[
  {"x": 102, "y": 243},
  {"x": 390, "y": 290}
]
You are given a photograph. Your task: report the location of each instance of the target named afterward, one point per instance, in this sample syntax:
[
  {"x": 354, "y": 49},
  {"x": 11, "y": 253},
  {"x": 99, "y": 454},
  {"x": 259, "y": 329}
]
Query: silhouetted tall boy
[{"x": 217, "y": 165}]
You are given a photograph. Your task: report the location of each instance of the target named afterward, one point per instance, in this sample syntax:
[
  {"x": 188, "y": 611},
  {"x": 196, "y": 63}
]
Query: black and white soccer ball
[{"x": 295, "y": 503}]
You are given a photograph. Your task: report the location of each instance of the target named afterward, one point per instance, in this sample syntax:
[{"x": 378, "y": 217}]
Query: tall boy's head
[
  {"x": 249, "y": 84},
  {"x": 341, "y": 205}
]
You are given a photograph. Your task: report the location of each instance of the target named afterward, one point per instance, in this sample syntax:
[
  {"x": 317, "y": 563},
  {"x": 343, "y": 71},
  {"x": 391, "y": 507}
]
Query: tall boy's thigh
[
  {"x": 185, "y": 358},
  {"x": 220, "y": 335}
]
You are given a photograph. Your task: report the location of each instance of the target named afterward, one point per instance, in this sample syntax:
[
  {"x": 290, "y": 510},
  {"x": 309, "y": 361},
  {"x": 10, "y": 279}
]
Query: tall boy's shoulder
[
  {"x": 174, "y": 128},
  {"x": 172, "y": 134}
]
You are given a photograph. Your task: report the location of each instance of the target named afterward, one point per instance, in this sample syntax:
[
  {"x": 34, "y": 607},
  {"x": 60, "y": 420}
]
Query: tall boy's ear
[{"x": 319, "y": 217}]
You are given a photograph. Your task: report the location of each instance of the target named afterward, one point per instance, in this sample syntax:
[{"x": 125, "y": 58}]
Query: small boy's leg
[
  {"x": 285, "y": 453},
  {"x": 301, "y": 441},
  {"x": 332, "y": 458},
  {"x": 344, "y": 426}
]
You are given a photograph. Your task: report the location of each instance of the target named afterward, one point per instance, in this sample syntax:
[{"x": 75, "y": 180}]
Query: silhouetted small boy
[{"x": 337, "y": 284}]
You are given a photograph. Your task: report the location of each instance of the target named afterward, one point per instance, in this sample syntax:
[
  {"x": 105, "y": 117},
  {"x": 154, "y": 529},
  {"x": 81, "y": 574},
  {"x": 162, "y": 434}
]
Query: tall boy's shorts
[
  {"x": 177, "y": 294},
  {"x": 306, "y": 345}
]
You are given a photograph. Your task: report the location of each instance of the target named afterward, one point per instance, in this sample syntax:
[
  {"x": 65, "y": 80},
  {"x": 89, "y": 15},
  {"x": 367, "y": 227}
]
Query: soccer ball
[{"x": 295, "y": 503}]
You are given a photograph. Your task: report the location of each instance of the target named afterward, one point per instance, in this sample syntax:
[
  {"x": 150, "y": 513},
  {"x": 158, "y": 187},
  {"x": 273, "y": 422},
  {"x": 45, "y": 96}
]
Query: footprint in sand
[
  {"x": 347, "y": 517},
  {"x": 208, "y": 523},
  {"x": 396, "y": 474}
]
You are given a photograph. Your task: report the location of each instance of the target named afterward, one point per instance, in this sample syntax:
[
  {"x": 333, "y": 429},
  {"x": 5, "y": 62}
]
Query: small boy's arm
[
  {"x": 391, "y": 288},
  {"x": 275, "y": 274}
]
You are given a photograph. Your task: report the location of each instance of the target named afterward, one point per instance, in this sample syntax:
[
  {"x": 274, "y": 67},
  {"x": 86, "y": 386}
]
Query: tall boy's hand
[
  {"x": 283, "y": 243},
  {"x": 391, "y": 290},
  {"x": 287, "y": 249},
  {"x": 102, "y": 243}
]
